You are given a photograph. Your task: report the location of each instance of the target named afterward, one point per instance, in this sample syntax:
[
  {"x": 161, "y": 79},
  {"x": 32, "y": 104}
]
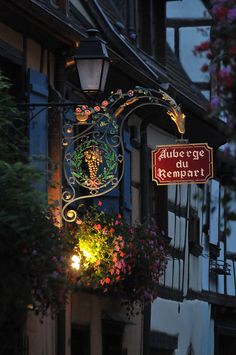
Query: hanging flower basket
[{"x": 113, "y": 257}]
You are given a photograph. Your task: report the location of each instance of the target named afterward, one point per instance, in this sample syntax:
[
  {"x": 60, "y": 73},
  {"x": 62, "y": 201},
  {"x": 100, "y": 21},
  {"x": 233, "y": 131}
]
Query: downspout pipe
[
  {"x": 145, "y": 217},
  {"x": 144, "y": 173}
]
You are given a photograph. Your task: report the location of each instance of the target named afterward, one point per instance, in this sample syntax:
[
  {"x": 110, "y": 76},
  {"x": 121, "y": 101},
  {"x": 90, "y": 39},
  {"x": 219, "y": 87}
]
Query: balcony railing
[{"x": 219, "y": 267}]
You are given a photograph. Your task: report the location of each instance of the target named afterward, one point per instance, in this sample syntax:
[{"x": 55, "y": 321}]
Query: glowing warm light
[
  {"x": 87, "y": 254},
  {"x": 75, "y": 262}
]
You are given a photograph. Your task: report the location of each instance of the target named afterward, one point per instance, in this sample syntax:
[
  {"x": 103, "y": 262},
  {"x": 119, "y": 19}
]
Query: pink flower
[
  {"x": 99, "y": 203},
  {"x": 104, "y": 103},
  {"x": 84, "y": 107},
  {"x": 122, "y": 245},
  {"x": 78, "y": 221},
  {"x": 87, "y": 112},
  {"x": 119, "y": 265},
  {"x": 96, "y": 108},
  {"x": 78, "y": 110},
  {"x": 119, "y": 216},
  {"x": 117, "y": 248}
]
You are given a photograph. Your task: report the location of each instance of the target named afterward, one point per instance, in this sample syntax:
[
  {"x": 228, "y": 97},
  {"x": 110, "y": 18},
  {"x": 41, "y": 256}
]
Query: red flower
[
  {"x": 107, "y": 280},
  {"x": 204, "y": 68},
  {"x": 119, "y": 216},
  {"x": 229, "y": 82},
  {"x": 221, "y": 13},
  {"x": 204, "y": 46},
  {"x": 99, "y": 203},
  {"x": 97, "y": 227},
  {"x": 232, "y": 50}
]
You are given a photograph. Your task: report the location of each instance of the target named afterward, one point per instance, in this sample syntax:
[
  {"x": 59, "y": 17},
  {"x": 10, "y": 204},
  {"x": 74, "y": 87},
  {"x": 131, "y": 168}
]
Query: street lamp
[{"x": 92, "y": 63}]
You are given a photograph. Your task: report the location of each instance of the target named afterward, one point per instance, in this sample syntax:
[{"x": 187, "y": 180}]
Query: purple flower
[
  {"x": 55, "y": 275},
  {"x": 218, "y": 43},
  {"x": 231, "y": 15},
  {"x": 215, "y": 101},
  {"x": 212, "y": 68},
  {"x": 224, "y": 72}
]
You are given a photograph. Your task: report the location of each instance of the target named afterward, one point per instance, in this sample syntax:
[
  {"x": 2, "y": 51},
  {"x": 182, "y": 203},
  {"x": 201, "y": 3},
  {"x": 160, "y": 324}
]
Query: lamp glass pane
[
  {"x": 104, "y": 74},
  {"x": 89, "y": 73}
]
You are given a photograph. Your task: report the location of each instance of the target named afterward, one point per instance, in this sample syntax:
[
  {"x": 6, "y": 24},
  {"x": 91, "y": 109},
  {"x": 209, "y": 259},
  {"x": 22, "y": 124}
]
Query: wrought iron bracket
[{"x": 92, "y": 142}]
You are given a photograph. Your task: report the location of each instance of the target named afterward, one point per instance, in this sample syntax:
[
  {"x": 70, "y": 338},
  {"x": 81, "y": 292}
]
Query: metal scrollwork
[
  {"x": 92, "y": 142},
  {"x": 93, "y": 146}
]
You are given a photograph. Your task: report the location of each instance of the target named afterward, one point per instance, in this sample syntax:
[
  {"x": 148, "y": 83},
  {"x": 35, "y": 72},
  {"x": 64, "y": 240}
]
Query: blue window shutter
[
  {"x": 38, "y": 125},
  {"x": 126, "y": 181},
  {"x": 110, "y": 201}
]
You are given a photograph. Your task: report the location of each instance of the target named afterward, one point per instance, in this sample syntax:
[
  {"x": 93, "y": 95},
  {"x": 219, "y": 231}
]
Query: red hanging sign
[{"x": 182, "y": 164}]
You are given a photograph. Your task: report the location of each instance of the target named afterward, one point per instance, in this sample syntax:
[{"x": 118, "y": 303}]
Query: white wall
[{"x": 189, "y": 320}]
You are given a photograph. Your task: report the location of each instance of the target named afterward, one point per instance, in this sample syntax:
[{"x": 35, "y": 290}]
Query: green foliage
[{"x": 32, "y": 249}]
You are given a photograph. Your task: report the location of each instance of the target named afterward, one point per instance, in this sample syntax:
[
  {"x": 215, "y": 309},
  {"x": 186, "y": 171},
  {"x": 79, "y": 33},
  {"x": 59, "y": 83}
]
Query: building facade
[{"x": 146, "y": 40}]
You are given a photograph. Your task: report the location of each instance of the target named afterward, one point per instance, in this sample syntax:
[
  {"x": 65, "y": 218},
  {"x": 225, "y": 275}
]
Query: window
[
  {"x": 80, "y": 340},
  {"x": 159, "y": 206},
  {"x": 194, "y": 234},
  {"x": 162, "y": 343},
  {"x": 112, "y": 333}
]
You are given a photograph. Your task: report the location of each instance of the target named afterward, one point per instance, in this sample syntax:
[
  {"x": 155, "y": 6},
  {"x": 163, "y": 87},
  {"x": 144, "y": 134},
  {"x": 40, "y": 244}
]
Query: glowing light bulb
[{"x": 75, "y": 262}]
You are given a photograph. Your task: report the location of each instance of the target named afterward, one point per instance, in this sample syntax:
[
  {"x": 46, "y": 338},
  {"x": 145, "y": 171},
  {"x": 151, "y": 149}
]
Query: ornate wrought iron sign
[{"x": 93, "y": 146}]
